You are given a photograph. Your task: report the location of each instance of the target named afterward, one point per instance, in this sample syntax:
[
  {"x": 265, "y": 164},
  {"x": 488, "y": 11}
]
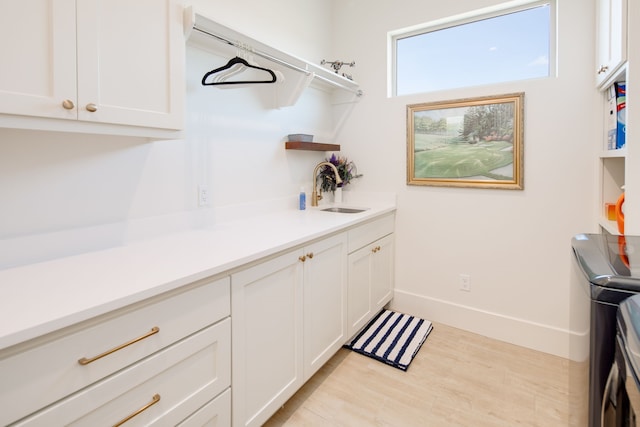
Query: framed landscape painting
[{"x": 476, "y": 142}]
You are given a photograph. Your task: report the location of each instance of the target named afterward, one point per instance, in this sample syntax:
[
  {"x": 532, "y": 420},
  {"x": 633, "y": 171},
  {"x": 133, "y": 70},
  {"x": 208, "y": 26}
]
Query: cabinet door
[
  {"x": 371, "y": 279},
  {"x": 325, "y": 301},
  {"x": 266, "y": 308},
  {"x": 612, "y": 37},
  {"x": 131, "y": 62},
  {"x": 382, "y": 276},
  {"x": 359, "y": 290},
  {"x": 37, "y": 47}
]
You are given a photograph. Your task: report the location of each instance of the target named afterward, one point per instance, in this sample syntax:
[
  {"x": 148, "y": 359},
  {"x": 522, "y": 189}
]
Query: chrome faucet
[{"x": 314, "y": 195}]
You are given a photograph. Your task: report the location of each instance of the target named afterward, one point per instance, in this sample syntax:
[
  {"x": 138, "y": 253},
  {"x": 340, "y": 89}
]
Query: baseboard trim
[{"x": 537, "y": 336}]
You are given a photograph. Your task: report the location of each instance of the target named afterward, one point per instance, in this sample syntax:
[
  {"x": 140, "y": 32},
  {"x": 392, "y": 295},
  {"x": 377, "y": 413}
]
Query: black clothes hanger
[{"x": 230, "y": 64}]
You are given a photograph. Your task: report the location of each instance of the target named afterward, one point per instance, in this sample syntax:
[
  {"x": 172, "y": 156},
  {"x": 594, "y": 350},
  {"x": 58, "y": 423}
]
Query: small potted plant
[{"x": 346, "y": 169}]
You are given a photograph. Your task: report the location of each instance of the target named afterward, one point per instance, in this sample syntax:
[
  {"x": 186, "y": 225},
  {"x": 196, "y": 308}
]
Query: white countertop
[{"x": 40, "y": 298}]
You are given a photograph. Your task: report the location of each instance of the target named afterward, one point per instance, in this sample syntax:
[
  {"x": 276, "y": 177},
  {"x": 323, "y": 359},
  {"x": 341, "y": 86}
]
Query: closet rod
[
  {"x": 255, "y": 52},
  {"x": 272, "y": 58}
]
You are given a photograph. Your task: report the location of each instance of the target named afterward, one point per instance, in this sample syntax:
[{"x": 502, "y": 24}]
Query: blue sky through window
[{"x": 514, "y": 46}]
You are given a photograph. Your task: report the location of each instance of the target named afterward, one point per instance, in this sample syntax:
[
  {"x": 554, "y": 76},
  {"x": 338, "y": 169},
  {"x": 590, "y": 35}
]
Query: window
[{"x": 504, "y": 46}]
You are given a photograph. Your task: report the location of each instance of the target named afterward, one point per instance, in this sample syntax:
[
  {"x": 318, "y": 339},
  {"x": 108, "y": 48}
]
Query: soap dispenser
[{"x": 302, "y": 201}]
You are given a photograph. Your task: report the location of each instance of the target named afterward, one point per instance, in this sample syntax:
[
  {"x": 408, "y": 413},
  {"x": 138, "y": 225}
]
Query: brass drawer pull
[
  {"x": 92, "y": 108},
  {"x": 67, "y": 104},
  {"x": 155, "y": 399},
  {"x": 85, "y": 361}
]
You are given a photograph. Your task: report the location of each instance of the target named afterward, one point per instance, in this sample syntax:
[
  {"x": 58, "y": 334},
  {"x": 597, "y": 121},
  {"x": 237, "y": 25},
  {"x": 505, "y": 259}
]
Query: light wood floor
[{"x": 457, "y": 379}]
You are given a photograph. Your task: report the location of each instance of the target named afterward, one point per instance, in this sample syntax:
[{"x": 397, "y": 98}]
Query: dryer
[
  {"x": 608, "y": 280},
  {"x": 621, "y": 400}
]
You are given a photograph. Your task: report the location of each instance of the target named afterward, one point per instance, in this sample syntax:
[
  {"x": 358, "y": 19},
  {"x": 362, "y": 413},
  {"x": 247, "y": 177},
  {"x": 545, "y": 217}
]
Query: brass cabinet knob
[
  {"x": 67, "y": 104},
  {"x": 302, "y": 258},
  {"x": 603, "y": 69},
  {"x": 92, "y": 108},
  {"x": 310, "y": 255}
]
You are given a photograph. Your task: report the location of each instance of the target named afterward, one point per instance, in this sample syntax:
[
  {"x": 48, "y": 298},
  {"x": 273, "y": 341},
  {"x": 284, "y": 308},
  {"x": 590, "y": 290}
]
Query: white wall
[
  {"x": 515, "y": 245},
  {"x": 66, "y": 193}
]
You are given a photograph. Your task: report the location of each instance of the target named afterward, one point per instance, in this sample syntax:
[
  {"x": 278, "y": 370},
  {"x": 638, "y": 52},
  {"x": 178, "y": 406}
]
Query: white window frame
[{"x": 465, "y": 18}]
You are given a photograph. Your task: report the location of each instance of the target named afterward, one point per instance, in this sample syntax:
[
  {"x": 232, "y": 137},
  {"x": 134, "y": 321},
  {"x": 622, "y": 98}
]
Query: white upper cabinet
[
  {"x": 92, "y": 62},
  {"x": 612, "y": 39},
  {"x": 38, "y": 50},
  {"x": 131, "y": 62}
]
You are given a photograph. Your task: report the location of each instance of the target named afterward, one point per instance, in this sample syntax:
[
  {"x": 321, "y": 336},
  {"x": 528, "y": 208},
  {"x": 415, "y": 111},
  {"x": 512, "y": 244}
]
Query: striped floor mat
[{"x": 393, "y": 338}]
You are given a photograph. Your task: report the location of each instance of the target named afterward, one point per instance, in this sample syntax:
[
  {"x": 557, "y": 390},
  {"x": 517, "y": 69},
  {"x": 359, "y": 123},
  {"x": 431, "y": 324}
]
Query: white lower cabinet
[
  {"x": 161, "y": 390},
  {"x": 216, "y": 413},
  {"x": 288, "y": 320},
  {"x": 382, "y": 276},
  {"x": 266, "y": 302},
  {"x": 325, "y": 302},
  {"x": 168, "y": 355},
  {"x": 371, "y": 271},
  {"x": 222, "y": 352}
]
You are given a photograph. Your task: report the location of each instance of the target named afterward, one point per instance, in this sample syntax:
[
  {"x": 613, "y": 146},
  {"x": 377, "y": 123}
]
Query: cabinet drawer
[
  {"x": 48, "y": 369},
  {"x": 367, "y": 233},
  {"x": 182, "y": 378},
  {"x": 216, "y": 413}
]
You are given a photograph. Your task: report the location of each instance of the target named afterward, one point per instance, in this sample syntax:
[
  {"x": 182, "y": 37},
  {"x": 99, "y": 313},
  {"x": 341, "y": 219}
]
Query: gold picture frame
[{"x": 474, "y": 142}]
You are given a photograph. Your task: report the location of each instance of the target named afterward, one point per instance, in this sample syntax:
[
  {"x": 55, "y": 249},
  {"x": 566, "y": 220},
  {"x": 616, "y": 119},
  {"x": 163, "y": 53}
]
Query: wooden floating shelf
[{"x": 311, "y": 146}]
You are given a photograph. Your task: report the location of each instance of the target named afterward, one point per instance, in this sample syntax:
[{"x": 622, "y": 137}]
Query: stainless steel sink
[{"x": 343, "y": 210}]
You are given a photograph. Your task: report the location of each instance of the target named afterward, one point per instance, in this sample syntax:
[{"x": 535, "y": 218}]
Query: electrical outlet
[
  {"x": 203, "y": 195},
  {"x": 465, "y": 282}
]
